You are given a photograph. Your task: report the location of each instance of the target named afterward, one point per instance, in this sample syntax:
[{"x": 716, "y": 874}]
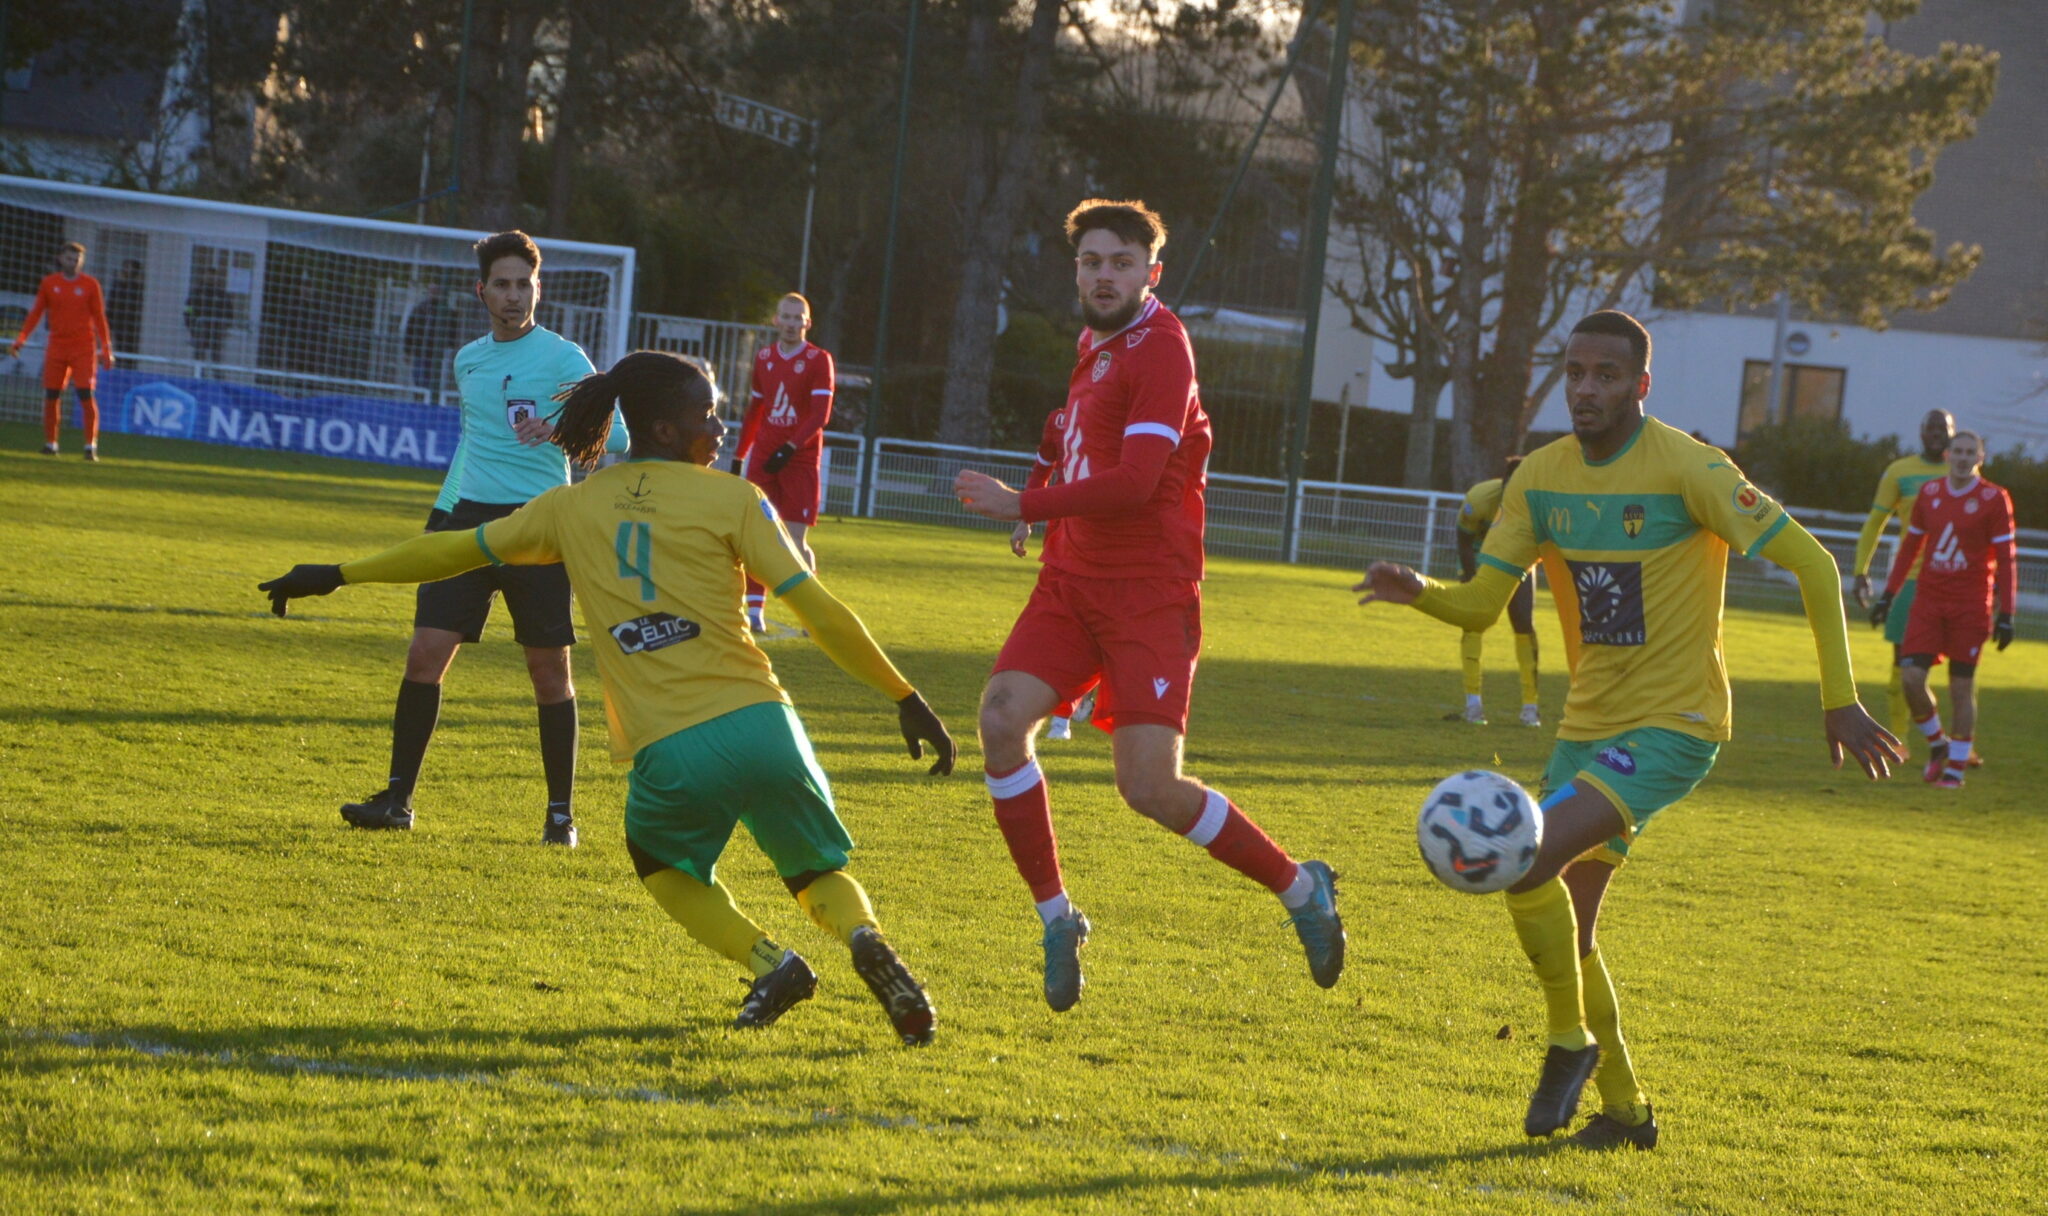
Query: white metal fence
[
  {"x": 728, "y": 346},
  {"x": 1337, "y": 524}
]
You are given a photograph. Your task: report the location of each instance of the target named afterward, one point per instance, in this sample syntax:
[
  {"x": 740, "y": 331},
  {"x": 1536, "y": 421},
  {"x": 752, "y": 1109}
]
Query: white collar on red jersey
[
  {"x": 1144, "y": 315},
  {"x": 1976, "y": 479}
]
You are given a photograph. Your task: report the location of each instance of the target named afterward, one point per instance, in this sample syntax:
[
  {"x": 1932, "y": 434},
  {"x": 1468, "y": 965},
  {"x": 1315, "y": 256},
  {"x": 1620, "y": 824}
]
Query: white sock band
[
  {"x": 1298, "y": 892},
  {"x": 1215, "y": 812},
  {"x": 1013, "y": 784},
  {"x": 1050, "y": 910},
  {"x": 1931, "y": 727},
  {"x": 1958, "y": 751}
]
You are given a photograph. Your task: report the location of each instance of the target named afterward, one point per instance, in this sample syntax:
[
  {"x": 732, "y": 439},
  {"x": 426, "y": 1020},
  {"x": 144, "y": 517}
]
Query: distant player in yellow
[
  {"x": 1895, "y": 493},
  {"x": 657, "y": 549},
  {"x": 1633, "y": 521},
  {"x": 1475, "y": 516}
]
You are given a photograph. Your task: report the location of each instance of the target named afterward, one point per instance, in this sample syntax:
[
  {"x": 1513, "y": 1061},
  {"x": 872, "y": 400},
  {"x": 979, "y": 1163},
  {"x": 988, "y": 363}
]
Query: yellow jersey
[
  {"x": 1636, "y": 551},
  {"x": 655, "y": 551},
  {"x": 1895, "y": 493},
  {"x": 1482, "y": 503}
]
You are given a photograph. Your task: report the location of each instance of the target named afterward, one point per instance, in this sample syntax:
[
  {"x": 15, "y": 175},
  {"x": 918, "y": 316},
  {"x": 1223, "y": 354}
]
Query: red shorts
[
  {"x": 77, "y": 367},
  {"x": 793, "y": 491},
  {"x": 1953, "y": 631},
  {"x": 1139, "y": 636}
]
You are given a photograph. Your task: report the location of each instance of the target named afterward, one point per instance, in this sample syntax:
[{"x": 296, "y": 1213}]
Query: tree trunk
[
  {"x": 562, "y": 148},
  {"x": 991, "y": 227},
  {"x": 500, "y": 54},
  {"x": 1426, "y": 388},
  {"x": 1469, "y": 286}
]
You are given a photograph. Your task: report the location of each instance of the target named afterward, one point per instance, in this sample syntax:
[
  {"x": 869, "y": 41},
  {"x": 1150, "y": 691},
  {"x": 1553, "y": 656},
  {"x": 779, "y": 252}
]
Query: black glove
[
  {"x": 736, "y": 466},
  {"x": 920, "y": 726},
  {"x": 779, "y": 457},
  {"x": 2002, "y": 630},
  {"x": 1880, "y": 610},
  {"x": 301, "y": 581}
]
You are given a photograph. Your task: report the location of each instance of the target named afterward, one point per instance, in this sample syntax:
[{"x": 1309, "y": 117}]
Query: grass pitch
[{"x": 218, "y": 997}]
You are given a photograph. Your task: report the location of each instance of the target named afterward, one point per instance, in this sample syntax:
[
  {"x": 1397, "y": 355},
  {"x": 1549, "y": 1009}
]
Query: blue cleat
[
  {"x": 1319, "y": 927},
  {"x": 1064, "y": 938}
]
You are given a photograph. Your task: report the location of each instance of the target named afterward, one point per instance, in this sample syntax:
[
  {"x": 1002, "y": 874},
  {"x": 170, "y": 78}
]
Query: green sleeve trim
[
  {"x": 481, "y": 543},
  {"x": 1758, "y": 544},
  {"x": 1487, "y": 559},
  {"x": 789, "y": 584}
]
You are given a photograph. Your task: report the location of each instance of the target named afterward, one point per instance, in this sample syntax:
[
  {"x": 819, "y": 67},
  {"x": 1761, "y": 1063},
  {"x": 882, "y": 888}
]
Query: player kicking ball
[
  {"x": 1119, "y": 599},
  {"x": 657, "y": 549},
  {"x": 1634, "y": 520},
  {"x": 1969, "y": 566}
]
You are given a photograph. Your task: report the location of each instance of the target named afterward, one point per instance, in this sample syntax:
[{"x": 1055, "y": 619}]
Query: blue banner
[{"x": 212, "y": 411}]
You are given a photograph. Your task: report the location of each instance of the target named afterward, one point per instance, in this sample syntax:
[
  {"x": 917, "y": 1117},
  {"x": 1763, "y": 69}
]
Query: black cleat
[
  {"x": 902, "y": 997},
  {"x": 1556, "y": 1101},
  {"x": 386, "y": 808},
  {"x": 1604, "y": 1131},
  {"x": 560, "y": 829},
  {"x": 774, "y": 993}
]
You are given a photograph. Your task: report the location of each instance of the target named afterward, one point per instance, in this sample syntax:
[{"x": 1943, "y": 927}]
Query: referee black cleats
[
  {"x": 1603, "y": 1131},
  {"x": 1556, "y": 1101},
  {"x": 902, "y": 997},
  {"x": 386, "y": 809},
  {"x": 774, "y": 993},
  {"x": 560, "y": 829}
]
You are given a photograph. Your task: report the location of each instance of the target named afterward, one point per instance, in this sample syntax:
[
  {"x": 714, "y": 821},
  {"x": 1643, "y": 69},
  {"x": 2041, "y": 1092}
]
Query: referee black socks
[
  {"x": 412, "y": 728},
  {"x": 558, "y": 752}
]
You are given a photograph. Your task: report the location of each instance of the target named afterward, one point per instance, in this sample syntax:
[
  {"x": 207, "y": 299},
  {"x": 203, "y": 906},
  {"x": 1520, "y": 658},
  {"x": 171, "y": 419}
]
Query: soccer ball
[{"x": 1479, "y": 832}]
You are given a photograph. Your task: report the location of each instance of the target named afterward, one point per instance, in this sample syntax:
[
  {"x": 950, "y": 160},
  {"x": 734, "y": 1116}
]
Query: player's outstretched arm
[
  {"x": 1849, "y": 729},
  {"x": 423, "y": 559},
  {"x": 1475, "y": 605},
  {"x": 1866, "y": 547},
  {"x": 840, "y": 634}
]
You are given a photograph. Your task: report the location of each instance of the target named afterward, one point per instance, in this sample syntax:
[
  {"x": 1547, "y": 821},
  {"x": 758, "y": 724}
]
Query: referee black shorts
[{"x": 538, "y": 596}]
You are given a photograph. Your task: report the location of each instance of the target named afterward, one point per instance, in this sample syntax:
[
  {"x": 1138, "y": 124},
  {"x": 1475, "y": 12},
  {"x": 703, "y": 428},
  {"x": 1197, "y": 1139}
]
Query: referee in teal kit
[{"x": 507, "y": 380}]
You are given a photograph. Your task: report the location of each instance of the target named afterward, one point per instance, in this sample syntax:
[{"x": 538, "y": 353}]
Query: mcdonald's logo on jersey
[{"x": 1559, "y": 519}]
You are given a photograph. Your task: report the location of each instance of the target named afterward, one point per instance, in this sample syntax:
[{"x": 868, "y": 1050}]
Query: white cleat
[
  {"x": 1059, "y": 728},
  {"x": 1531, "y": 716}
]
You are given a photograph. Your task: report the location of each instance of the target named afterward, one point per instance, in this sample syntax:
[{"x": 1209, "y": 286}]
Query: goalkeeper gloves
[
  {"x": 779, "y": 457},
  {"x": 921, "y": 726},
  {"x": 301, "y": 581},
  {"x": 2002, "y": 631},
  {"x": 1880, "y": 610}
]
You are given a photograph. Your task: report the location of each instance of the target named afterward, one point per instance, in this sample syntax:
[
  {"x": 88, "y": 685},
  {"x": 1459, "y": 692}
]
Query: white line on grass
[{"x": 285, "y": 1064}]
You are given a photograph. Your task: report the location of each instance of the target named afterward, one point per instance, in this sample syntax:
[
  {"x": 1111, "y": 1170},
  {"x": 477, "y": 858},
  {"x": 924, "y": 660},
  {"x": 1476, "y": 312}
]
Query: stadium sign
[
  {"x": 758, "y": 118},
  {"x": 210, "y": 411}
]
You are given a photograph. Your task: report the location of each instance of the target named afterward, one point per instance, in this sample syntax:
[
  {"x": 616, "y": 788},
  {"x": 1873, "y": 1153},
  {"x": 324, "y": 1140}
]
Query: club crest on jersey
[
  {"x": 799, "y": 367},
  {"x": 1618, "y": 760},
  {"x": 1101, "y": 366},
  {"x": 1632, "y": 519},
  {"x": 517, "y": 412},
  {"x": 1969, "y": 506}
]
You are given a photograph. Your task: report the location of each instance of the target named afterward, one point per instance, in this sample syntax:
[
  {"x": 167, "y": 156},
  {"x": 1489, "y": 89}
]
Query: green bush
[{"x": 1812, "y": 462}]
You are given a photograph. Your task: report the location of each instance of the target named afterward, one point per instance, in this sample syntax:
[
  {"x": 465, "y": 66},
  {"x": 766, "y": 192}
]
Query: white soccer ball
[{"x": 1479, "y": 832}]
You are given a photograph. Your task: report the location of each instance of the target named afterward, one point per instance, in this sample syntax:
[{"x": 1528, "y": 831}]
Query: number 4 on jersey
[{"x": 636, "y": 551}]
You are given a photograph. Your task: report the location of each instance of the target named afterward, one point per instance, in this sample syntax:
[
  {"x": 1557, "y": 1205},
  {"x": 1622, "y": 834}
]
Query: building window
[{"x": 1807, "y": 391}]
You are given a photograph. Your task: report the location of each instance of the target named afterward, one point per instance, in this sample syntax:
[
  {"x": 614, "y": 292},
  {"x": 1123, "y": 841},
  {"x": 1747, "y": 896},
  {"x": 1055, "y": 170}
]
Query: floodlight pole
[
  {"x": 1317, "y": 245},
  {"x": 874, "y": 420},
  {"x": 803, "y": 265}
]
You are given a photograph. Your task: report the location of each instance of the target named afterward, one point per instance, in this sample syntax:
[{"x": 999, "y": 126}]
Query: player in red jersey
[
  {"x": 78, "y": 331},
  {"x": 1044, "y": 466},
  {"x": 1971, "y": 561},
  {"x": 783, "y": 436},
  {"x": 1119, "y": 598}
]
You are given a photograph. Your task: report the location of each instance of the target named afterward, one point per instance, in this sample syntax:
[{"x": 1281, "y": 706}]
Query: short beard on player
[{"x": 1110, "y": 322}]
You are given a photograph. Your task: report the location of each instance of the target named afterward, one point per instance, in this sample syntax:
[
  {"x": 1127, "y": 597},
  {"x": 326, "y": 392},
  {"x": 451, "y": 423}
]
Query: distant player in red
[
  {"x": 782, "y": 439},
  {"x": 1965, "y": 524},
  {"x": 80, "y": 344},
  {"x": 1119, "y": 599}
]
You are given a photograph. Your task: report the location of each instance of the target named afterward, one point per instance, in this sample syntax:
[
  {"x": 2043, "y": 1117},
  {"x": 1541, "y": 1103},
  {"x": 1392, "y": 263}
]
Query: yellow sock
[
  {"x": 711, "y": 917},
  {"x": 1895, "y": 700},
  {"x": 1620, "y": 1095},
  {"x": 1525, "y": 657},
  {"x": 1550, "y": 937},
  {"x": 838, "y": 905},
  {"x": 1469, "y": 649}
]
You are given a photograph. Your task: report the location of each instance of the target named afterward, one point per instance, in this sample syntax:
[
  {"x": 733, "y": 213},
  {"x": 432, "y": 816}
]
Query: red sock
[
  {"x": 53, "y": 417},
  {"x": 757, "y": 596},
  {"x": 1237, "y": 842},
  {"x": 1024, "y": 813},
  {"x": 89, "y": 407}
]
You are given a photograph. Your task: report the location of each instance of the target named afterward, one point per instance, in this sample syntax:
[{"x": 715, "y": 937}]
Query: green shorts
[
  {"x": 751, "y": 766},
  {"x": 1641, "y": 771},
  {"x": 1901, "y": 609}
]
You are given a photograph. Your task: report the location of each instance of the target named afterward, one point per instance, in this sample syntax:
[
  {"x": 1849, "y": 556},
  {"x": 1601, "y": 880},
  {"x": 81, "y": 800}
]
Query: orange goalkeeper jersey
[{"x": 77, "y": 315}]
